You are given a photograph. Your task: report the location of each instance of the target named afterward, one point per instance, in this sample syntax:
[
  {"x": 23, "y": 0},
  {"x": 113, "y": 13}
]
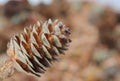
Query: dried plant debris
[{"x": 38, "y": 46}]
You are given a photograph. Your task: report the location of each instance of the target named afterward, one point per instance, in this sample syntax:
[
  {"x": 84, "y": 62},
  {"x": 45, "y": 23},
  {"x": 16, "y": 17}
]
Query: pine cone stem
[{"x": 6, "y": 70}]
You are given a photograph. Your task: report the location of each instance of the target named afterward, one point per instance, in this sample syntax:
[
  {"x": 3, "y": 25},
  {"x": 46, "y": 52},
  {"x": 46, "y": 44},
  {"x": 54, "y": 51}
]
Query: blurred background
[{"x": 94, "y": 54}]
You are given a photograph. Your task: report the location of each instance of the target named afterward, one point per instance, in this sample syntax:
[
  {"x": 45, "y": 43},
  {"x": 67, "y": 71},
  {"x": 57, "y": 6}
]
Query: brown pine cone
[{"x": 38, "y": 46}]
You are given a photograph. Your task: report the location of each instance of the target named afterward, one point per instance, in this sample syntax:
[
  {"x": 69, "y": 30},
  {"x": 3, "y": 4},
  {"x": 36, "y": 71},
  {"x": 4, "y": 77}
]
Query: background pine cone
[{"x": 38, "y": 46}]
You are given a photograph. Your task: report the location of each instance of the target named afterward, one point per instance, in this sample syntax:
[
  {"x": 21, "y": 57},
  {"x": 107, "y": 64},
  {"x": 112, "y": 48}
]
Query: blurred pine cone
[
  {"x": 116, "y": 34},
  {"x": 54, "y": 9},
  {"x": 106, "y": 25},
  {"x": 38, "y": 46},
  {"x": 14, "y": 7}
]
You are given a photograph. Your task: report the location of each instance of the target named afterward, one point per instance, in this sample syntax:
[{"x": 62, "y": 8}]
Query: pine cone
[{"x": 38, "y": 46}]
